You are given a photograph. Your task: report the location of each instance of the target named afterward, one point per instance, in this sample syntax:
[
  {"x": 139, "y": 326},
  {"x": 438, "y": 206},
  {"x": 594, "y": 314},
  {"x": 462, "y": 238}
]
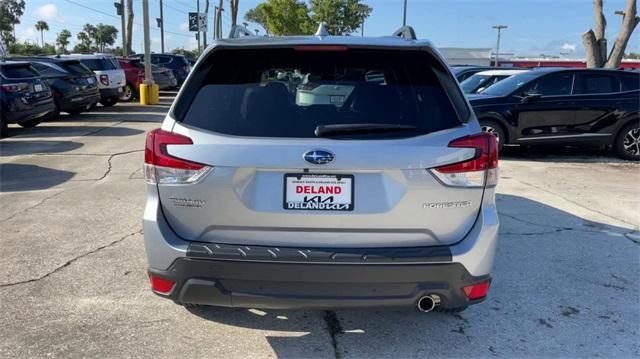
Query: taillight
[
  {"x": 477, "y": 291},
  {"x": 480, "y": 170},
  {"x": 162, "y": 168},
  {"x": 17, "y": 87},
  {"x": 161, "y": 285},
  {"x": 104, "y": 79}
]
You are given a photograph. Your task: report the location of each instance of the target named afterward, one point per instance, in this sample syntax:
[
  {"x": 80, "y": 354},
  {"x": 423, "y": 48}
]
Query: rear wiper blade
[{"x": 360, "y": 128}]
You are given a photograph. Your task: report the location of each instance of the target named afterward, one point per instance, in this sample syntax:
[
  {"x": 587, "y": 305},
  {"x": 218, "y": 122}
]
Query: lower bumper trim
[{"x": 322, "y": 286}]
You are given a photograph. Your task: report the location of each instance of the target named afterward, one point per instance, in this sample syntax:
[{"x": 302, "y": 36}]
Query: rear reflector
[
  {"x": 162, "y": 168},
  {"x": 476, "y": 291},
  {"x": 161, "y": 285},
  {"x": 480, "y": 170}
]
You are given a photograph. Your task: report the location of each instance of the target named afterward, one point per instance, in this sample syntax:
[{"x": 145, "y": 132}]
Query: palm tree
[{"x": 42, "y": 26}]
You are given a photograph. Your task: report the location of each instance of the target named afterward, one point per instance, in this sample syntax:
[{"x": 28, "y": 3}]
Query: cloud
[
  {"x": 155, "y": 39},
  {"x": 28, "y": 34},
  {"x": 569, "y": 47},
  {"x": 48, "y": 11},
  {"x": 184, "y": 26}
]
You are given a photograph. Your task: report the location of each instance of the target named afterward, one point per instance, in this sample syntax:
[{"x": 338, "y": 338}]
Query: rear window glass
[
  {"x": 75, "y": 67},
  {"x": 598, "y": 83},
  {"x": 99, "y": 64},
  {"x": 47, "y": 70},
  {"x": 630, "y": 82},
  {"x": 18, "y": 71},
  {"x": 287, "y": 93}
]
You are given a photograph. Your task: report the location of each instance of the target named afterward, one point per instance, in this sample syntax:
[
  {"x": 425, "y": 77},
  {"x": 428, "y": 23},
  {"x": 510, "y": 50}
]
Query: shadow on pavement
[
  {"x": 122, "y": 116},
  {"x": 72, "y": 131},
  {"x": 550, "y": 280},
  {"x": 16, "y": 148},
  {"x": 16, "y": 177}
]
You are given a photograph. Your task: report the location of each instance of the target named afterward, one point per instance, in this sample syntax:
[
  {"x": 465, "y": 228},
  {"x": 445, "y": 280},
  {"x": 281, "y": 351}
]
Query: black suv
[
  {"x": 177, "y": 63},
  {"x": 564, "y": 106}
]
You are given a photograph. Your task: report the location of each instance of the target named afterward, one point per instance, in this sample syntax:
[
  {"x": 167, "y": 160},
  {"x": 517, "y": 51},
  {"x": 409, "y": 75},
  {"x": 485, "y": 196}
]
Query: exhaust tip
[{"x": 428, "y": 303}]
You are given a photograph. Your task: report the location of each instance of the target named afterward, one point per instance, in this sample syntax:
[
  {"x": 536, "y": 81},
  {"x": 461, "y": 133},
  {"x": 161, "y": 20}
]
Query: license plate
[
  {"x": 336, "y": 99},
  {"x": 119, "y": 89},
  {"x": 318, "y": 192},
  {"x": 91, "y": 80},
  {"x": 37, "y": 87}
]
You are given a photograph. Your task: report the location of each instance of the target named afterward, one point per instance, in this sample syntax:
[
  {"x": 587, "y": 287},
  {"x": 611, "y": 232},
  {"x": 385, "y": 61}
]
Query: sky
[{"x": 535, "y": 27}]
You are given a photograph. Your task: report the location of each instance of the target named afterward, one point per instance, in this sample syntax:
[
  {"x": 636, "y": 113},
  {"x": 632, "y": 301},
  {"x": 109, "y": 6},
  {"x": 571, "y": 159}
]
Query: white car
[
  {"x": 481, "y": 80},
  {"x": 110, "y": 76}
]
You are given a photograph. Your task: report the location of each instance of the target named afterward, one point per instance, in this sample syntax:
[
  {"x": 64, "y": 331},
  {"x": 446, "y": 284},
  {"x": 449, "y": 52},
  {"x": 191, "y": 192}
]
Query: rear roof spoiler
[{"x": 405, "y": 32}]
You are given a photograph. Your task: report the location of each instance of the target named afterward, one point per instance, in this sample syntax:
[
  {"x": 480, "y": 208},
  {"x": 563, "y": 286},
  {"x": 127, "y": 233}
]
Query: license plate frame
[
  {"x": 38, "y": 88},
  {"x": 318, "y": 203}
]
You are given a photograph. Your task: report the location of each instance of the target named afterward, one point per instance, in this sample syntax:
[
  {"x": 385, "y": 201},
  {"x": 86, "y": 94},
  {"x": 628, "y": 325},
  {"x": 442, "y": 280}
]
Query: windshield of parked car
[
  {"x": 509, "y": 85},
  {"x": 471, "y": 84},
  {"x": 288, "y": 93}
]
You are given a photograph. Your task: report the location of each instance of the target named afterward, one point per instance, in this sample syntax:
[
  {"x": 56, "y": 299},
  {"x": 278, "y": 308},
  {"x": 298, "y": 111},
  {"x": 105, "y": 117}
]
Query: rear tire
[
  {"x": 495, "y": 129},
  {"x": 4, "y": 127},
  {"x": 627, "y": 145},
  {"x": 127, "y": 93},
  {"x": 31, "y": 123},
  {"x": 109, "y": 102},
  {"x": 76, "y": 111}
]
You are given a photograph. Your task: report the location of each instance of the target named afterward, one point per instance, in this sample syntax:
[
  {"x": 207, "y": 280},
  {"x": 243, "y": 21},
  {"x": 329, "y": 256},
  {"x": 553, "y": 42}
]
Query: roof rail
[
  {"x": 405, "y": 32},
  {"x": 238, "y": 31}
]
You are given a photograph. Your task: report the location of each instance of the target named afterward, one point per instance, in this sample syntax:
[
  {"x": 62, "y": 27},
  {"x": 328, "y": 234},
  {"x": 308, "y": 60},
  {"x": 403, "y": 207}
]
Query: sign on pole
[{"x": 193, "y": 21}]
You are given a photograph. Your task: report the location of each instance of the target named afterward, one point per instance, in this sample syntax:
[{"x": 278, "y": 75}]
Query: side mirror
[{"x": 530, "y": 97}]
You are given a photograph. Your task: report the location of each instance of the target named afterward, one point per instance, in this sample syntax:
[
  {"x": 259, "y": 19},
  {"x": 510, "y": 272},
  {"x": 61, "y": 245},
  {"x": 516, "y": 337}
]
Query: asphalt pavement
[{"x": 73, "y": 277}]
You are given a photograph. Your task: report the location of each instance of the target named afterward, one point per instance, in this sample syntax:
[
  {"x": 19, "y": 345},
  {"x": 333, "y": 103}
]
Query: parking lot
[{"x": 73, "y": 279}]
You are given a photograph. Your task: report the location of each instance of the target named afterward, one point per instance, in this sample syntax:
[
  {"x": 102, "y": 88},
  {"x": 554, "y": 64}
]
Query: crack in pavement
[
  {"x": 71, "y": 261},
  {"x": 334, "y": 328},
  {"x": 109, "y": 165},
  {"x": 41, "y": 202}
]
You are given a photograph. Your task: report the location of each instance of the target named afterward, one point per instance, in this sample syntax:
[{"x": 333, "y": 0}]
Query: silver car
[{"x": 384, "y": 198}]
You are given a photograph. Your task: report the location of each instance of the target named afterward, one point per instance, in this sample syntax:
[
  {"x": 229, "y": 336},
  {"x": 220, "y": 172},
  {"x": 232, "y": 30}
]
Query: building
[{"x": 466, "y": 56}]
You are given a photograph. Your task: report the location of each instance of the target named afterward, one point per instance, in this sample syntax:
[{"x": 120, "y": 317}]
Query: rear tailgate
[{"x": 246, "y": 123}]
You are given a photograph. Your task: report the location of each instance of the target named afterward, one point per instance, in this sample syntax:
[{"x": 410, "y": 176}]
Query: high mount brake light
[
  {"x": 321, "y": 48},
  {"x": 162, "y": 168},
  {"x": 480, "y": 170}
]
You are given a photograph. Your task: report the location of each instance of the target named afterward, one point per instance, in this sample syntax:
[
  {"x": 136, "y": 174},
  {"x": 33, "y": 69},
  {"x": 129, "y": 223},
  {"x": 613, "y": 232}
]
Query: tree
[
  {"x": 10, "y": 13},
  {"x": 233, "y": 4},
  {"x": 632, "y": 56},
  {"x": 282, "y": 17},
  {"x": 85, "y": 37},
  {"x": 42, "y": 26},
  {"x": 342, "y": 17},
  {"x": 105, "y": 35},
  {"x": 63, "y": 40},
  {"x": 129, "y": 27},
  {"x": 595, "y": 42}
]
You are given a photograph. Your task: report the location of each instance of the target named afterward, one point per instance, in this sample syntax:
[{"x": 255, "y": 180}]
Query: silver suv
[{"x": 378, "y": 192}]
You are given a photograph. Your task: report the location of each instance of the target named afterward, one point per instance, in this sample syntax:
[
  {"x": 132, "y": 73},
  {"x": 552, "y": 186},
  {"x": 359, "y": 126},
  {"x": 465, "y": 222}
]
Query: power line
[{"x": 92, "y": 9}]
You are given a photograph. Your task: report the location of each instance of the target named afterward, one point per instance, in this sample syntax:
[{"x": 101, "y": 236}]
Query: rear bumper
[
  {"x": 314, "y": 285},
  {"x": 22, "y": 114},
  {"x": 109, "y": 93},
  {"x": 78, "y": 101}
]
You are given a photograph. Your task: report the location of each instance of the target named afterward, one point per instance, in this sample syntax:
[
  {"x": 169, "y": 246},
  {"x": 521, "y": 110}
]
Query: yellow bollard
[{"x": 149, "y": 94}]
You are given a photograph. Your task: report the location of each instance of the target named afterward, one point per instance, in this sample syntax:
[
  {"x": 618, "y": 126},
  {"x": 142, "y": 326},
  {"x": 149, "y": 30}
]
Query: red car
[{"x": 134, "y": 75}]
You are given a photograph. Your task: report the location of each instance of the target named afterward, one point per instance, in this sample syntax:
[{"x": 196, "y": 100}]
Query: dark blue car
[{"x": 25, "y": 98}]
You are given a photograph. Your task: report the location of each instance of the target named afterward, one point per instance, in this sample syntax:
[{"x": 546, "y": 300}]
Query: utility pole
[
  {"x": 204, "y": 31},
  {"x": 198, "y": 22},
  {"x": 404, "y": 15},
  {"x": 120, "y": 11},
  {"x": 161, "y": 26},
  {"x": 148, "y": 78},
  {"x": 220, "y": 10},
  {"x": 499, "y": 28}
]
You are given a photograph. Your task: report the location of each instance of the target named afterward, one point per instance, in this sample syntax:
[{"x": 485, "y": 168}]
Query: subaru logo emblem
[{"x": 318, "y": 157}]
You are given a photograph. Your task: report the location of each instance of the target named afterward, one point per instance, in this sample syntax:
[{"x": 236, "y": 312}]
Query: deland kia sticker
[{"x": 318, "y": 192}]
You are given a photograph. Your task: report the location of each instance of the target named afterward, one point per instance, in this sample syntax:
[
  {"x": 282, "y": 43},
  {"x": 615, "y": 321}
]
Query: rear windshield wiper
[{"x": 360, "y": 128}]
